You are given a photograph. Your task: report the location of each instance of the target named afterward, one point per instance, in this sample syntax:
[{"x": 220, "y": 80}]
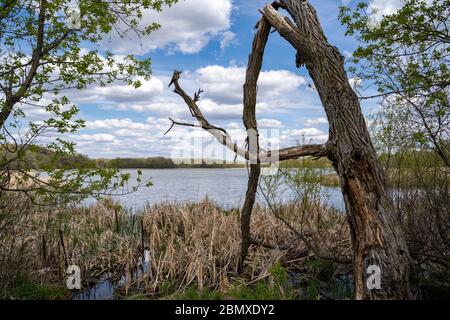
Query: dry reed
[
  {"x": 199, "y": 245},
  {"x": 189, "y": 245}
]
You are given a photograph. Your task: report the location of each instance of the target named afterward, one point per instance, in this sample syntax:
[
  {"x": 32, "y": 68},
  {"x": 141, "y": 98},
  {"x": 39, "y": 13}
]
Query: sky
[{"x": 210, "y": 42}]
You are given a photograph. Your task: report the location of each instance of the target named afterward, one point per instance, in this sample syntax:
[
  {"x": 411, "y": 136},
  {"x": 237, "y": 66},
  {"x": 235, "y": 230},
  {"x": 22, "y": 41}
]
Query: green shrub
[{"x": 25, "y": 288}]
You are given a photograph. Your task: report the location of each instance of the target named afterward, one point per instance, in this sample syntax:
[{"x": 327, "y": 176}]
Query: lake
[{"x": 226, "y": 187}]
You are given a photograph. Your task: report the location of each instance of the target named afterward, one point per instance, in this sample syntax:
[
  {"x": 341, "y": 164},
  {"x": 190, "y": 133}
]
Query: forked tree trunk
[
  {"x": 377, "y": 235},
  {"x": 376, "y": 232}
]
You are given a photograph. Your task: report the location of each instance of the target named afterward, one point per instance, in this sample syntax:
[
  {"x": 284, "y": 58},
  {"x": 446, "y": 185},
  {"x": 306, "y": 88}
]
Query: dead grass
[
  {"x": 38, "y": 242},
  {"x": 190, "y": 245},
  {"x": 199, "y": 245},
  {"x": 196, "y": 246}
]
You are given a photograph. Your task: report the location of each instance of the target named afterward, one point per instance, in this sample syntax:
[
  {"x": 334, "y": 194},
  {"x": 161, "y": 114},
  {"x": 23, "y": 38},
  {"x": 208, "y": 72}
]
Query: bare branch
[
  {"x": 180, "y": 124},
  {"x": 315, "y": 150},
  {"x": 197, "y": 95},
  {"x": 286, "y": 29}
]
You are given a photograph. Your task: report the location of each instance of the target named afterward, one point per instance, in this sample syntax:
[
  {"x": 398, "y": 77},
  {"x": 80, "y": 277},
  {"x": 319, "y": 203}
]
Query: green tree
[
  {"x": 41, "y": 58},
  {"x": 406, "y": 55}
]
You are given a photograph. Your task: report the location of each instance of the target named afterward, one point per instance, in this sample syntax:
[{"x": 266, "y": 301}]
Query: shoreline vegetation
[
  {"x": 192, "y": 247},
  {"x": 401, "y": 169},
  {"x": 300, "y": 250}
]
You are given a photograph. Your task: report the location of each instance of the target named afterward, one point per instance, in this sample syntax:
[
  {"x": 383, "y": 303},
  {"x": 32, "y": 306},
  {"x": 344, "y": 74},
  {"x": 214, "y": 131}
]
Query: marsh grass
[
  {"x": 274, "y": 286},
  {"x": 190, "y": 247},
  {"x": 300, "y": 249},
  {"x": 196, "y": 245},
  {"x": 194, "y": 252},
  {"x": 39, "y": 242}
]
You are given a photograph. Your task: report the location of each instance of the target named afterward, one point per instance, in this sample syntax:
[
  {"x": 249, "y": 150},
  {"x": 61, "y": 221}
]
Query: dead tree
[{"x": 377, "y": 236}]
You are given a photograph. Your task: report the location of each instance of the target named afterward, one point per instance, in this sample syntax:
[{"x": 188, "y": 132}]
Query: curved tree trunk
[{"x": 377, "y": 235}]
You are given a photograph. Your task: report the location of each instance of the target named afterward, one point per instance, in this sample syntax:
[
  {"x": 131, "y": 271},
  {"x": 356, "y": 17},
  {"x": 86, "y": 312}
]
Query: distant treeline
[
  {"x": 199, "y": 164},
  {"x": 37, "y": 157},
  {"x": 137, "y": 163},
  {"x": 41, "y": 158}
]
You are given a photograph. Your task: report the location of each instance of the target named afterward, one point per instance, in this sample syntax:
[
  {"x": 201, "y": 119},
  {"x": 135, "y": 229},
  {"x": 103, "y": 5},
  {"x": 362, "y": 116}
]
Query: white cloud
[
  {"x": 270, "y": 123},
  {"x": 97, "y": 138},
  {"x": 314, "y": 122},
  {"x": 168, "y": 107},
  {"x": 380, "y": 8},
  {"x": 306, "y": 135},
  {"x": 161, "y": 121},
  {"x": 121, "y": 92},
  {"x": 221, "y": 100},
  {"x": 214, "y": 110},
  {"x": 355, "y": 82},
  {"x": 127, "y": 138},
  {"x": 235, "y": 126},
  {"x": 385, "y": 7},
  {"x": 186, "y": 27},
  {"x": 224, "y": 84},
  {"x": 228, "y": 38},
  {"x": 279, "y": 93},
  {"x": 33, "y": 113},
  {"x": 115, "y": 124},
  {"x": 347, "y": 54}
]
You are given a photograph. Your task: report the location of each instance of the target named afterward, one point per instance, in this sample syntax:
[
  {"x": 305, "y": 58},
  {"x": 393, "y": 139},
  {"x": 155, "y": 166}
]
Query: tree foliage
[
  {"x": 406, "y": 56},
  {"x": 42, "y": 57}
]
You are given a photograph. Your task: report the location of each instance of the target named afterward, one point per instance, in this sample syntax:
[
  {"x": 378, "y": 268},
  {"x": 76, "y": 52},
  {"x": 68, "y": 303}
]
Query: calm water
[{"x": 226, "y": 187}]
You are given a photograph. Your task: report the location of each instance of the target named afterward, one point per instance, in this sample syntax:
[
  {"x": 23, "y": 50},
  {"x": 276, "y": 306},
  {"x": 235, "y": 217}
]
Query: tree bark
[
  {"x": 250, "y": 123},
  {"x": 377, "y": 235}
]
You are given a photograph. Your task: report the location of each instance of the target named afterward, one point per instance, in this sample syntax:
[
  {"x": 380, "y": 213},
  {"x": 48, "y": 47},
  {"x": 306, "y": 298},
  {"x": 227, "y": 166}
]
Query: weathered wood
[
  {"x": 315, "y": 150},
  {"x": 249, "y": 119},
  {"x": 376, "y": 230}
]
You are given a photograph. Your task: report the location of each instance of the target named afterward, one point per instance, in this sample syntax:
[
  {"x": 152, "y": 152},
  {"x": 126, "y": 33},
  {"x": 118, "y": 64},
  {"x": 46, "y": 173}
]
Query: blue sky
[{"x": 210, "y": 41}]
